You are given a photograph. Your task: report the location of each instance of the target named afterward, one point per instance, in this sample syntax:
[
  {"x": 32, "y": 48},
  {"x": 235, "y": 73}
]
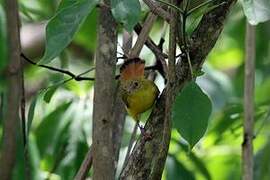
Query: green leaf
[
  {"x": 126, "y": 12},
  {"x": 256, "y": 11},
  {"x": 49, "y": 130},
  {"x": 31, "y": 113},
  {"x": 191, "y": 111},
  {"x": 3, "y": 58},
  {"x": 62, "y": 27},
  {"x": 49, "y": 94},
  {"x": 176, "y": 170}
]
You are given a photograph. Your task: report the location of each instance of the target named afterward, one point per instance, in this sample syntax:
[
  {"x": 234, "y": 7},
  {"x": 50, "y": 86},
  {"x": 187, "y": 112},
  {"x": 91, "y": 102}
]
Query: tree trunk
[
  {"x": 13, "y": 93},
  {"x": 104, "y": 96}
]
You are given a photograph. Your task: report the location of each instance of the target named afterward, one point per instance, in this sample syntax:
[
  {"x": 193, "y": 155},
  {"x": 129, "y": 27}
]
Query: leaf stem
[
  {"x": 198, "y": 7},
  {"x": 186, "y": 51},
  {"x": 171, "y": 5}
]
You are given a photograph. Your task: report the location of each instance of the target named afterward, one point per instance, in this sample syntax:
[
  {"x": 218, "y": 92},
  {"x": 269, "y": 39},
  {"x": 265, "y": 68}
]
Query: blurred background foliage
[{"x": 59, "y": 114}]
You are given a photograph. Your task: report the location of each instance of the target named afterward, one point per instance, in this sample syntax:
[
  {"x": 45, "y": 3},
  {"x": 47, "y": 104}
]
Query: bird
[{"x": 137, "y": 92}]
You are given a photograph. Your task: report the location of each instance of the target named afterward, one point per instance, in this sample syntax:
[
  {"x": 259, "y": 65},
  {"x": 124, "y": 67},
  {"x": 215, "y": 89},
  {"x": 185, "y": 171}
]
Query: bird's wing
[{"x": 125, "y": 98}]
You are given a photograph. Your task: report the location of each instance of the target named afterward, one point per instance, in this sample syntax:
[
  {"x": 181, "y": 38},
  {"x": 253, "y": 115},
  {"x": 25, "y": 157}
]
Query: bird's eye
[{"x": 136, "y": 84}]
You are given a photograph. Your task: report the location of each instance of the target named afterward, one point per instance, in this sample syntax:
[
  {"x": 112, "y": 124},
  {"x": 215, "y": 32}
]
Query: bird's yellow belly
[{"x": 141, "y": 101}]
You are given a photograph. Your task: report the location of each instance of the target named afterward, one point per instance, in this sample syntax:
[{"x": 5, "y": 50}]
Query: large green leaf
[
  {"x": 49, "y": 130},
  {"x": 63, "y": 26},
  {"x": 191, "y": 111},
  {"x": 126, "y": 12},
  {"x": 256, "y": 11}
]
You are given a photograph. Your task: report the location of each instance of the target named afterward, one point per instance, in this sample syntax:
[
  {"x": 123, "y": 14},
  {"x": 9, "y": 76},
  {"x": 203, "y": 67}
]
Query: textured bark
[
  {"x": 160, "y": 159},
  {"x": 104, "y": 96},
  {"x": 204, "y": 37},
  {"x": 247, "y": 146},
  {"x": 13, "y": 94}
]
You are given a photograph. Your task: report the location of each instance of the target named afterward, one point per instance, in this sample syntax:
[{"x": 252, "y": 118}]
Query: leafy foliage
[
  {"x": 63, "y": 26},
  {"x": 126, "y": 12},
  {"x": 59, "y": 132}
]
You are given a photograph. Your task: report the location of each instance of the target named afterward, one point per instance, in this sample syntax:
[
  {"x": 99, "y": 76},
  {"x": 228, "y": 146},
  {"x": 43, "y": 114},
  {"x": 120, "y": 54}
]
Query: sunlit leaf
[
  {"x": 256, "y": 11},
  {"x": 49, "y": 94},
  {"x": 191, "y": 111},
  {"x": 126, "y": 12},
  {"x": 63, "y": 26}
]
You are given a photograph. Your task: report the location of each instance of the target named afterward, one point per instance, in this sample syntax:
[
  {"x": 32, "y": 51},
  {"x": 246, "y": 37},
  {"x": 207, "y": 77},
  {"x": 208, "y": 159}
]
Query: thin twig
[
  {"x": 131, "y": 142},
  {"x": 171, "y": 5},
  {"x": 247, "y": 145},
  {"x": 198, "y": 7},
  {"x": 186, "y": 50},
  {"x": 85, "y": 166},
  {"x": 75, "y": 77},
  {"x": 23, "y": 120},
  {"x": 23, "y": 128}
]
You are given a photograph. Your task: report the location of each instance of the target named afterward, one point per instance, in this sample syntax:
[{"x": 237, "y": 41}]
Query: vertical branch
[
  {"x": 104, "y": 91},
  {"x": 119, "y": 109},
  {"x": 24, "y": 132},
  {"x": 159, "y": 163},
  {"x": 247, "y": 146},
  {"x": 11, "y": 116}
]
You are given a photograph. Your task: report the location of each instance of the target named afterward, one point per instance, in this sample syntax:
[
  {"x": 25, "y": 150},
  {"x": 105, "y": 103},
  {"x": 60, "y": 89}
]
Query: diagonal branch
[
  {"x": 85, "y": 166},
  {"x": 157, "y": 9},
  {"x": 73, "y": 76},
  {"x": 203, "y": 39},
  {"x": 147, "y": 26}
]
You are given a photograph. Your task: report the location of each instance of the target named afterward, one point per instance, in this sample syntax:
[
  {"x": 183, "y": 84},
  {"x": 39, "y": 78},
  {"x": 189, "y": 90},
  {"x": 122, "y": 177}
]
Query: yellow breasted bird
[{"x": 137, "y": 92}]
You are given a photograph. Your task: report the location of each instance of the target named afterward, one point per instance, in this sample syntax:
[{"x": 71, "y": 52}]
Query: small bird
[{"x": 137, "y": 92}]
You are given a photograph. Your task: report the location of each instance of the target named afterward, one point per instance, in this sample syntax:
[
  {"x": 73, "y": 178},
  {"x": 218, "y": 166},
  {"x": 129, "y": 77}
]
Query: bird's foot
[{"x": 146, "y": 135}]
